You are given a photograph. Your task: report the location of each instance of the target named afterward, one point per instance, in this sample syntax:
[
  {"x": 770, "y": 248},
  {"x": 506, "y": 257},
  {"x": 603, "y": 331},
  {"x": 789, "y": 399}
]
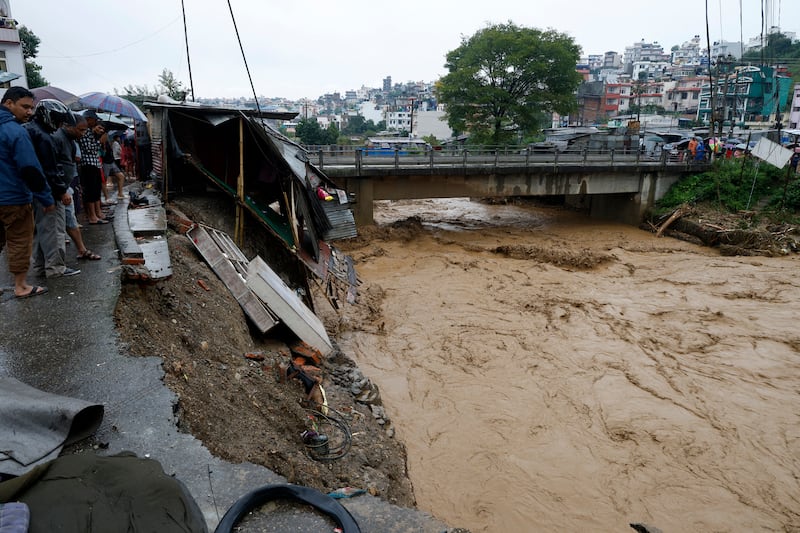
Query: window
[{"x": 4, "y": 68}]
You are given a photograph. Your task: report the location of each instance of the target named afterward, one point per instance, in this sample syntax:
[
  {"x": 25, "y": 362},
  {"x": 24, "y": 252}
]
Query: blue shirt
[{"x": 17, "y": 156}]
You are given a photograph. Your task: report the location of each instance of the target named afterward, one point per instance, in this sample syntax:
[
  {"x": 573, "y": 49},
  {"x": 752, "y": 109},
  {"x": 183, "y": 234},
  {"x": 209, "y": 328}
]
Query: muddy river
[{"x": 548, "y": 372}]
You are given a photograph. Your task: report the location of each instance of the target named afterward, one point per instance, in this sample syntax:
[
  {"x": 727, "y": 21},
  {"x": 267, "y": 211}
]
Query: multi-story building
[
  {"x": 12, "y": 62},
  {"x": 643, "y": 51},
  {"x": 616, "y": 99},
  {"x": 749, "y": 94},
  {"x": 689, "y": 53},
  {"x": 727, "y": 49},
  {"x": 683, "y": 95},
  {"x": 794, "y": 113},
  {"x": 398, "y": 116}
]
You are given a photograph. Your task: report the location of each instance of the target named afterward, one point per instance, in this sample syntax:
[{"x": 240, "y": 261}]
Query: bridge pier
[{"x": 363, "y": 210}]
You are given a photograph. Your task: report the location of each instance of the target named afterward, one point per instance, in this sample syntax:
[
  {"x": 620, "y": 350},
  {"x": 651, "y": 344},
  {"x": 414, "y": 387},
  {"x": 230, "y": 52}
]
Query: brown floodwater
[{"x": 551, "y": 372}]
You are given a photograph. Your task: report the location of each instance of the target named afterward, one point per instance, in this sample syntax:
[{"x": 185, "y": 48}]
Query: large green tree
[
  {"x": 503, "y": 78},
  {"x": 778, "y": 49},
  {"x": 311, "y": 133},
  {"x": 30, "y": 49}
]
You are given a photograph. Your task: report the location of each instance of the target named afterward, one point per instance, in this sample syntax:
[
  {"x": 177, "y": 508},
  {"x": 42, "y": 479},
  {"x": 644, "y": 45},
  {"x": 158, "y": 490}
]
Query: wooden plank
[
  {"x": 286, "y": 305},
  {"x": 225, "y": 270}
]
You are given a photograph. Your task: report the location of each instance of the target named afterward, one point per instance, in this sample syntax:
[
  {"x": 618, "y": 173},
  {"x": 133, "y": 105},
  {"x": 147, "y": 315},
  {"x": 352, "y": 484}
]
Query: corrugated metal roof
[
  {"x": 219, "y": 112},
  {"x": 343, "y": 225}
]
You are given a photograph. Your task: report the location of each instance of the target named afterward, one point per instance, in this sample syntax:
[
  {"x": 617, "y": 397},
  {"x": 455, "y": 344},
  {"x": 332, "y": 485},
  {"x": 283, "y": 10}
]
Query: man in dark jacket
[
  {"x": 49, "y": 244},
  {"x": 21, "y": 179}
]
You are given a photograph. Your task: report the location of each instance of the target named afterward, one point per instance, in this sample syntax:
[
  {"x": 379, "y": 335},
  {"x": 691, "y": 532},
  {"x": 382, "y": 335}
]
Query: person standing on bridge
[
  {"x": 692, "y": 147},
  {"x": 701, "y": 151}
]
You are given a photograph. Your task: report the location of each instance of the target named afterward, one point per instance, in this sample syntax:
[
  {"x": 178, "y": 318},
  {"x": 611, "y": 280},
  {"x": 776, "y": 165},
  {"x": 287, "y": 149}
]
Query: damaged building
[{"x": 274, "y": 202}]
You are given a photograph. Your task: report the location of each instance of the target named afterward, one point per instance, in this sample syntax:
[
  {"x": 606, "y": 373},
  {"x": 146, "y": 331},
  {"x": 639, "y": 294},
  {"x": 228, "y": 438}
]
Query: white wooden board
[{"x": 286, "y": 305}]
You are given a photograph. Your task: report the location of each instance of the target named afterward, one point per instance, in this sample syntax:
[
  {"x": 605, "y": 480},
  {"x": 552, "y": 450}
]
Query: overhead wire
[
  {"x": 247, "y": 68},
  {"x": 112, "y": 50},
  {"x": 188, "y": 59}
]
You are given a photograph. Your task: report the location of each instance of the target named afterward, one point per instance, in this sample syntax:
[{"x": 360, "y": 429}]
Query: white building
[
  {"x": 370, "y": 111},
  {"x": 794, "y": 114},
  {"x": 727, "y": 48},
  {"x": 431, "y": 123},
  {"x": 12, "y": 61}
]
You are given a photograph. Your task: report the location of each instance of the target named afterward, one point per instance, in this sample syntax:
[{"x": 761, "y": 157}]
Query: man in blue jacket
[{"x": 21, "y": 179}]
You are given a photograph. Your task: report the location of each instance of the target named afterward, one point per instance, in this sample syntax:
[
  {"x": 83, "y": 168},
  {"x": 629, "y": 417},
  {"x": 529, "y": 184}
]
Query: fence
[{"x": 360, "y": 158}]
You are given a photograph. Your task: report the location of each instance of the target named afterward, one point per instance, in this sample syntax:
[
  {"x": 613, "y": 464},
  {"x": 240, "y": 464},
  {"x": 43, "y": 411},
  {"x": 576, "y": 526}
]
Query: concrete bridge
[{"x": 612, "y": 185}]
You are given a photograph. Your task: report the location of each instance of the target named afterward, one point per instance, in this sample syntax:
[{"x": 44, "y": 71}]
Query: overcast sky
[{"x": 305, "y": 48}]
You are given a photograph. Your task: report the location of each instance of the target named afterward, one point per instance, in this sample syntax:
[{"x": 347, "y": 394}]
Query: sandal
[{"x": 90, "y": 255}]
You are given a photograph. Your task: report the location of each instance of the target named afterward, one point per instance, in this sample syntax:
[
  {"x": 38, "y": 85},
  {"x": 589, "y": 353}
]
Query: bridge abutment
[{"x": 630, "y": 208}]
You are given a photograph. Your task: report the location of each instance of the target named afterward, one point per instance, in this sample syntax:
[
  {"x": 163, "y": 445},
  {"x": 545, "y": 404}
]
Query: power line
[
  {"x": 113, "y": 50},
  {"x": 249, "y": 77},
  {"x": 188, "y": 59}
]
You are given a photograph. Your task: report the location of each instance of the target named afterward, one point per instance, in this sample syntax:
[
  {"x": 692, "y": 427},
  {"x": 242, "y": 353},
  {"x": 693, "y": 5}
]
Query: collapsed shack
[{"x": 283, "y": 208}]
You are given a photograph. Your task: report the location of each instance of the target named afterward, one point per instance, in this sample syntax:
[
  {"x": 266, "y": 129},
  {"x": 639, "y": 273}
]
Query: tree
[
  {"x": 504, "y": 77},
  {"x": 30, "y": 49},
  {"x": 355, "y": 125},
  {"x": 167, "y": 84},
  {"x": 311, "y": 133},
  {"x": 171, "y": 87}
]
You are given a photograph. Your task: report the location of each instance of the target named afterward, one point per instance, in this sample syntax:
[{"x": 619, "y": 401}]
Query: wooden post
[
  {"x": 164, "y": 159},
  {"x": 239, "y": 227}
]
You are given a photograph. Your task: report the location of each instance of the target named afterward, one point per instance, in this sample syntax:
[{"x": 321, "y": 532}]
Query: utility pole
[
  {"x": 712, "y": 107},
  {"x": 411, "y": 129}
]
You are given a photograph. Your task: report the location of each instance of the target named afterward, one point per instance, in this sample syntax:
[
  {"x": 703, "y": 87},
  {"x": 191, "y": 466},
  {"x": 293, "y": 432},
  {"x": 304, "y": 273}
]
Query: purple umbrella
[
  {"x": 112, "y": 104},
  {"x": 54, "y": 93}
]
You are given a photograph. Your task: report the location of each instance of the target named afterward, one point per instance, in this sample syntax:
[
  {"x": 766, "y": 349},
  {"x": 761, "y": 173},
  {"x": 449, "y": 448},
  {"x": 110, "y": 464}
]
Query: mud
[{"x": 549, "y": 372}]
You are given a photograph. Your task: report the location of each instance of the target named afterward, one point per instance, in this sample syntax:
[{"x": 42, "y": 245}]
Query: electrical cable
[
  {"x": 336, "y": 432},
  {"x": 188, "y": 59},
  {"x": 249, "y": 77}
]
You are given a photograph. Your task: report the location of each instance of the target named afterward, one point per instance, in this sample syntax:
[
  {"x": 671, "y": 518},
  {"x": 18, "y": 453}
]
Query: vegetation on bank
[{"x": 734, "y": 186}]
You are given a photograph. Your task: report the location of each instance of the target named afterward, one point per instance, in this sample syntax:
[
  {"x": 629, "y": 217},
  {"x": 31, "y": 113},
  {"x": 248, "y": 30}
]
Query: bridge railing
[{"x": 360, "y": 158}]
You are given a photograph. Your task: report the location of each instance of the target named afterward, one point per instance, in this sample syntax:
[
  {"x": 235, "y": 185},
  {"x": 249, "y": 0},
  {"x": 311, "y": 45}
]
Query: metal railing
[{"x": 360, "y": 158}]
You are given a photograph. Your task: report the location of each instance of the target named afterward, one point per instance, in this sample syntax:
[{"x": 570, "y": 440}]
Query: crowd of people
[{"x": 50, "y": 159}]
